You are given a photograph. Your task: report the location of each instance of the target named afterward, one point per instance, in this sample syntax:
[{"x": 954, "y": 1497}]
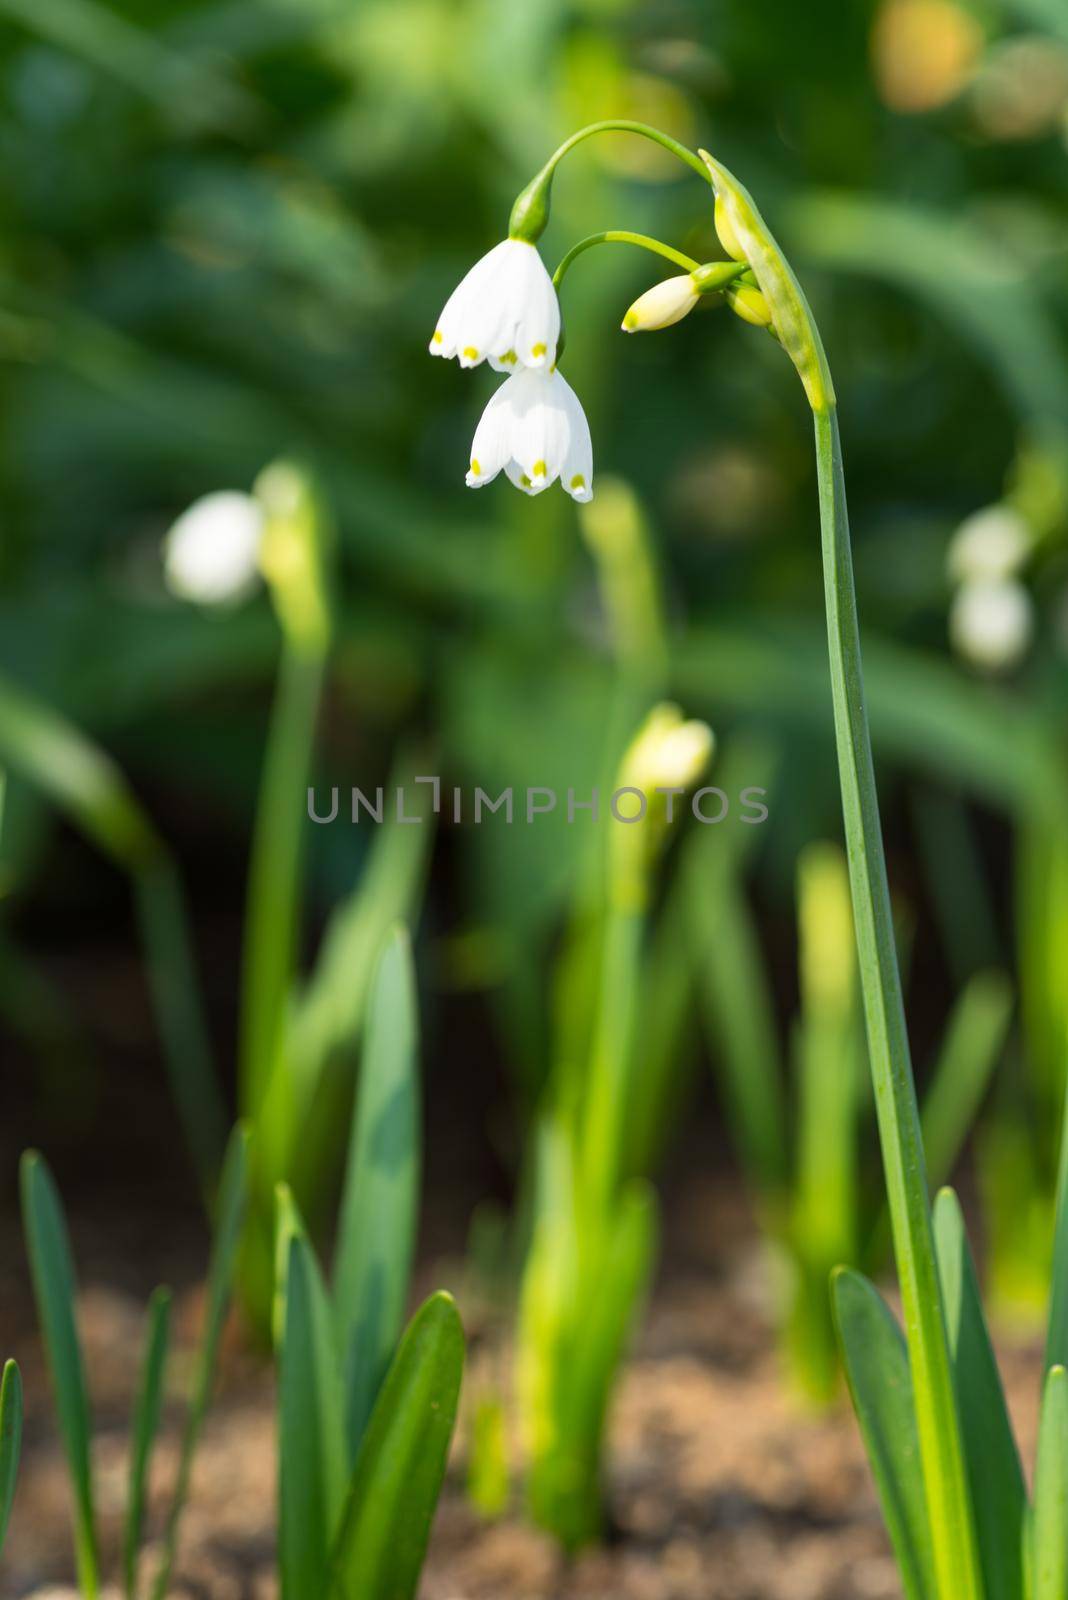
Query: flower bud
[
  {"x": 211, "y": 552},
  {"x": 293, "y": 556},
  {"x": 530, "y": 213},
  {"x": 662, "y": 305},
  {"x": 667, "y": 752},
  {"x": 750, "y": 305},
  {"x": 725, "y": 230}
]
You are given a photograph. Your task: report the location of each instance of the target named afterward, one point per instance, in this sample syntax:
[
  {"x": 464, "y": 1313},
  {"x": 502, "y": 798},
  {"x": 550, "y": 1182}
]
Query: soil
[{"x": 720, "y": 1487}]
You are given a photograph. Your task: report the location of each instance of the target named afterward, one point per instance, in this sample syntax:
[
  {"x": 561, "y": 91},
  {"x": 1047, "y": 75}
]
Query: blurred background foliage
[{"x": 228, "y": 228}]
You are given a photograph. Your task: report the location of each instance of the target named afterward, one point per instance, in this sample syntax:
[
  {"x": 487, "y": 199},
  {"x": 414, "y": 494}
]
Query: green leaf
[
  {"x": 602, "y": 1323},
  {"x": 398, "y": 1477},
  {"x": 233, "y": 1189},
  {"x": 376, "y": 1234},
  {"x": 1049, "y": 1550},
  {"x": 276, "y": 871},
  {"x": 145, "y": 1427},
  {"x": 974, "y": 1039},
  {"x": 995, "y": 1476},
  {"x": 55, "y": 1291},
  {"x": 10, "y": 1440},
  {"x": 311, "y": 1445},
  {"x": 877, "y": 1369}
]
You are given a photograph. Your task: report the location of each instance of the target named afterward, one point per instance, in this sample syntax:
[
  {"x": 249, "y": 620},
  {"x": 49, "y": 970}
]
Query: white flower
[
  {"x": 505, "y": 312},
  {"x": 211, "y": 552},
  {"x": 665, "y": 303},
  {"x": 990, "y": 622},
  {"x": 991, "y": 544},
  {"x": 535, "y": 428}
]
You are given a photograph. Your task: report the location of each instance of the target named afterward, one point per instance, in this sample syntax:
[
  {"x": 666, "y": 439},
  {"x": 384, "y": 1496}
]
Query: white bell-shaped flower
[
  {"x": 505, "y": 312},
  {"x": 211, "y": 553},
  {"x": 535, "y": 428}
]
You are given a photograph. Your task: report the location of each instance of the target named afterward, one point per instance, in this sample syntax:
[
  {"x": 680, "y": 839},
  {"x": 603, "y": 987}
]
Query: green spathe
[{"x": 791, "y": 317}]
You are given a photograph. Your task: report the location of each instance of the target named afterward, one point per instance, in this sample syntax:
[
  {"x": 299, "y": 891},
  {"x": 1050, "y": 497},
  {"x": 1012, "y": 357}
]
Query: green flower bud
[
  {"x": 530, "y": 214},
  {"x": 293, "y": 553},
  {"x": 714, "y": 276},
  {"x": 725, "y": 229},
  {"x": 750, "y": 305},
  {"x": 738, "y": 219}
]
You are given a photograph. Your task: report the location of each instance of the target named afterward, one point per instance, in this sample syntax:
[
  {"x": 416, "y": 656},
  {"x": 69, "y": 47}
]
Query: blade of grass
[
  {"x": 602, "y": 1322},
  {"x": 830, "y": 1062},
  {"x": 231, "y": 1207},
  {"x": 877, "y": 1369},
  {"x": 971, "y": 1047},
  {"x": 1057, "y": 1324},
  {"x": 398, "y": 1477},
  {"x": 311, "y": 1446},
  {"x": 376, "y": 1233},
  {"x": 1049, "y": 1550},
  {"x": 55, "y": 1292},
  {"x": 994, "y": 1472},
  {"x": 146, "y": 1420},
  {"x": 176, "y": 991},
  {"x": 275, "y": 871},
  {"x": 10, "y": 1441}
]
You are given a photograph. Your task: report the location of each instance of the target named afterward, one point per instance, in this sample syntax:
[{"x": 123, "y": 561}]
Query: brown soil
[{"x": 720, "y": 1487}]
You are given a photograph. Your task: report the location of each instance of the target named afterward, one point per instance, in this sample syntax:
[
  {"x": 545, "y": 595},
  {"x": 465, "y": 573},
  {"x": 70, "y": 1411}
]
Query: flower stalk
[{"x": 763, "y": 290}]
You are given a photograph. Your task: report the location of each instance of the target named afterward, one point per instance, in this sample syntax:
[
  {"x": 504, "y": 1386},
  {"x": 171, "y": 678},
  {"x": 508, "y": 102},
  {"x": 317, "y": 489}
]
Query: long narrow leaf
[
  {"x": 1057, "y": 1328},
  {"x": 55, "y": 1291},
  {"x": 733, "y": 985},
  {"x": 145, "y": 1427},
  {"x": 995, "y": 1476},
  {"x": 376, "y": 1235},
  {"x": 974, "y": 1039},
  {"x": 230, "y": 1215},
  {"x": 877, "y": 1368},
  {"x": 311, "y": 1446},
  {"x": 398, "y": 1476},
  {"x": 1049, "y": 1552},
  {"x": 10, "y": 1440}
]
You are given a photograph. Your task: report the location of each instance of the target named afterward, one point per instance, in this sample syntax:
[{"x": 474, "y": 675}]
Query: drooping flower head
[
  {"x": 536, "y": 430},
  {"x": 505, "y": 311}
]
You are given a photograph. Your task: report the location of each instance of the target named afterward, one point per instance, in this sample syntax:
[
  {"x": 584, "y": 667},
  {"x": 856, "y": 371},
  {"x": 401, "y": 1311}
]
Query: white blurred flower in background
[
  {"x": 992, "y": 543},
  {"x": 211, "y": 553},
  {"x": 991, "y": 622}
]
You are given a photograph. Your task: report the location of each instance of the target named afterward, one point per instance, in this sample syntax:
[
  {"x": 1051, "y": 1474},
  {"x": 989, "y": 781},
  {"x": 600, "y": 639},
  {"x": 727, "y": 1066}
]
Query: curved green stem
[
  {"x": 621, "y": 236},
  {"x": 531, "y": 210},
  {"x": 623, "y": 126}
]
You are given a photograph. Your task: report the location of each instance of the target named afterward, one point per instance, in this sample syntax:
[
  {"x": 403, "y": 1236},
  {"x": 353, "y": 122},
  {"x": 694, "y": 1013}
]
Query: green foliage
[
  {"x": 399, "y": 1470},
  {"x": 10, "y": 1440},
  {"x": 812, "y": 1201},
  {"x": 48, "y": 1248},
  {"x": 146, "y": 1421},
  {"x": 52, "y": 1270},
  {"x": 364, "y": 1422}
]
